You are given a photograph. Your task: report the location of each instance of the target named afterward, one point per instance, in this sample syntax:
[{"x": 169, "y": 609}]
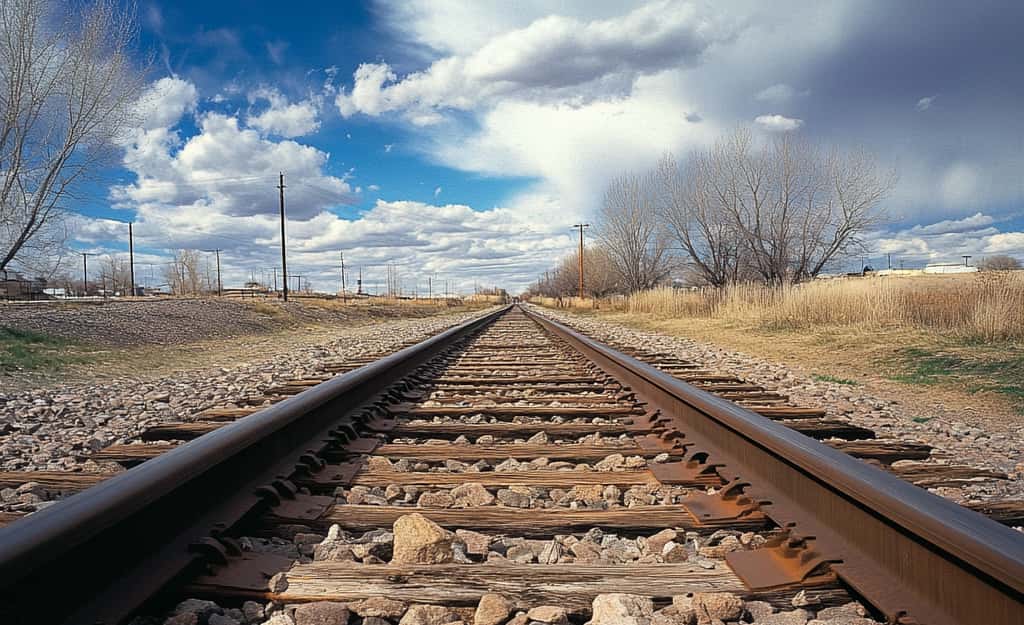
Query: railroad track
[{"x": 511, "y": 470}]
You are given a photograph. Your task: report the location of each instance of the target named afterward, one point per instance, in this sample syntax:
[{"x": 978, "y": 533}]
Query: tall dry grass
[{"x": 981, "y": 307}]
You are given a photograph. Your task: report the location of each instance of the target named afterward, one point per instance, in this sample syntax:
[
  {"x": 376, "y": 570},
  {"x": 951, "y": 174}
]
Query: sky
[{"x": 460, "y": 141}]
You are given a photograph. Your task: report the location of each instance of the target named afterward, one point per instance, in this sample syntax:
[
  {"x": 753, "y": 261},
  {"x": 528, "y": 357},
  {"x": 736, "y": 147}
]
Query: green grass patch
[
  {"x": 834, "y": 379},
  {"x": 23, "y": 350},
  {"x": 976, "y": 370}
]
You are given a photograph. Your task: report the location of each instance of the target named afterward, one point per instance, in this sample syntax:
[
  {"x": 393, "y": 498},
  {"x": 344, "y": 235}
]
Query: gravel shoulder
[
  {"x": 148, "y": 339},
  {"x": 994, "y": 443},
  {"x": 53, "y": 426}
]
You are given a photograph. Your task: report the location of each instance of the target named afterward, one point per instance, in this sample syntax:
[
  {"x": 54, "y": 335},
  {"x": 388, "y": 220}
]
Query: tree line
[{"x": 777, "y": 211}]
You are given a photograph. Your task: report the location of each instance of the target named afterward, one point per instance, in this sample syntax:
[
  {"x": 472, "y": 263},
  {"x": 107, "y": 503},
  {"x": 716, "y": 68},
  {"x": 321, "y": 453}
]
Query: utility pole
[
  {"x": 343, "y": 276},
  {"x": 890, "y": 260},
  {"x": 85, "y": 271},
  {"x": 581, "y": 227},
  {"x": 284, "y": 262},
  {"x": 359, "y": 282},
  {"x": 220, "y": 286},
  {"x": 131, "y": 258},
  {"x": 967, "y": 257},
  {"x": 430, "y": 289},
  {"x": 275, "y": 279}
]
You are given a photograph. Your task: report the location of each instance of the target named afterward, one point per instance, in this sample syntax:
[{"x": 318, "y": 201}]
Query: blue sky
[{"x": 462, "y": 139}]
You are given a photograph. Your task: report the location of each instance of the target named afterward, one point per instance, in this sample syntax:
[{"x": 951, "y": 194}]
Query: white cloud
[
  {"x": 165, "y": 101},
  {"x": 282, "y": 118},
  {"x": 553, "y": 59},
  {"x": 925, "y": 103},
  {"x": 217, "y": 189},
  {"x": 574, "y": 150},
  {"x": 388, "y": 146},
  {"x": 973, "y": 222},
  {"x": 437, "y": 191},
  {"x": 778, "y": 123},
  {"x": 948, "y": 241},
  {"x": 779, "y": 92}
]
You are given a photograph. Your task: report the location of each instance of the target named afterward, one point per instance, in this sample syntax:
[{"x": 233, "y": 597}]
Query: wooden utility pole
[
  {"x": 581, "y": 227},
  {"x": 343, "y": 276},
  {"x": 131, "y": 259},
  {"x": 85, "y": 271},
  {"x": 284, "y": 262},
  {"x": 220, "y": 285}
]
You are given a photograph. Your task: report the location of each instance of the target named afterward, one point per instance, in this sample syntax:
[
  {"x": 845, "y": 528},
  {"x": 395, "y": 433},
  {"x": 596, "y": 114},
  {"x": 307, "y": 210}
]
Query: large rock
[
  {"x": 711, "y": 606},
  {"x": 321, "y": 613},
  {"x": 436, "y": 499},
  {"x": 514, "y": 497},
  {"x": 381, "y": 607},
  {"x": 621, "y": 609},
  {"x": 472, "y": 495},
  {"x": 654, "y": 544},
  {"x": 551, "y": 614},
  {"x": 418, "y": 540},
  {"x": 476, "y": 543},
  {"x": 493, "y": 609},
  {"x": 428, "y": 615}
]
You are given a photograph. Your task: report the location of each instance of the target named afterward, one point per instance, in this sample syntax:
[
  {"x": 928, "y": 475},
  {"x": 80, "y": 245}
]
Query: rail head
[
  {"x": 161, "y": 506},
  {"x": 903, "y": 547}
]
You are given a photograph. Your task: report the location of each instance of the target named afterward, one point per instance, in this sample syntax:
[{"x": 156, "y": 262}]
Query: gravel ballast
[{"x": 955, "y": 442}]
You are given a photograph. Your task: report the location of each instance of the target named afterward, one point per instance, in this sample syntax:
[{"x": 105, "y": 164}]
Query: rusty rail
[
  {"x": 111, "y": 547},
  {"x": 916, "y": 556}
]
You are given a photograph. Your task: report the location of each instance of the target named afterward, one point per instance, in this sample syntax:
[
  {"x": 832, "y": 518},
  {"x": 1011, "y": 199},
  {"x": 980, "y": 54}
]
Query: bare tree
[
  {"x": 999, "y": 262},
  {"x": 67, "y": 88},
  {"x": 115, "y": 273},
  {"x": 782, "y": 211},
  {"x": 629, "y": 229},
  {"x": 697, "y": 218},
  {"x": 184, "y": 274}
]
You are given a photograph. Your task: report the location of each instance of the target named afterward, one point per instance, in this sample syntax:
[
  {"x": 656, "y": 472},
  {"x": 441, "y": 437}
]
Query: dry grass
[{"x": 985, "y": 307}]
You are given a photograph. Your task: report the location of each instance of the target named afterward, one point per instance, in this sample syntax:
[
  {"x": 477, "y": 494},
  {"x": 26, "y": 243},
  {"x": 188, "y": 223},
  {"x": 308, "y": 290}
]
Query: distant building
[{"x": 949, "y": 268}]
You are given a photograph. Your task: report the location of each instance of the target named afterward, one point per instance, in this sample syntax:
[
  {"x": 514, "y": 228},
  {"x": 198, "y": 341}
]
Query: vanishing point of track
[{"x": 486, "y": 428}]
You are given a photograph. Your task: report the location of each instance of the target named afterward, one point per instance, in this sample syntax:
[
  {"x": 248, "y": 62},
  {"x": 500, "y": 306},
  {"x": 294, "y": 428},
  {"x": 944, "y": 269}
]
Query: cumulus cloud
[
  {"x": 973, "y": 222},
  {"x": 164, "y": 103},
  {"x": 778, "y": 123},
  {"x": 224, "y": 168},
  {"x": 217, "y": 189},
  {"x": 555, "y": 58},
  {"x": 925, "y": 103},
  {"x": 948, "y": 241},
  {"x": 282, "y": 118}
]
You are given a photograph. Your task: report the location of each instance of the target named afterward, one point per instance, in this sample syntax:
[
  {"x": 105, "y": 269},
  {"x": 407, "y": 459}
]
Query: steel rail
[
  {"x": 97, "y": 556},
  {"x": 915, "y": 556}
]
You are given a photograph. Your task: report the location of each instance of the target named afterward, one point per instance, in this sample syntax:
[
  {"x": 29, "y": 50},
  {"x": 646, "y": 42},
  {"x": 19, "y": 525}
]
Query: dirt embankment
[{"x": 182, "y": 321}]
